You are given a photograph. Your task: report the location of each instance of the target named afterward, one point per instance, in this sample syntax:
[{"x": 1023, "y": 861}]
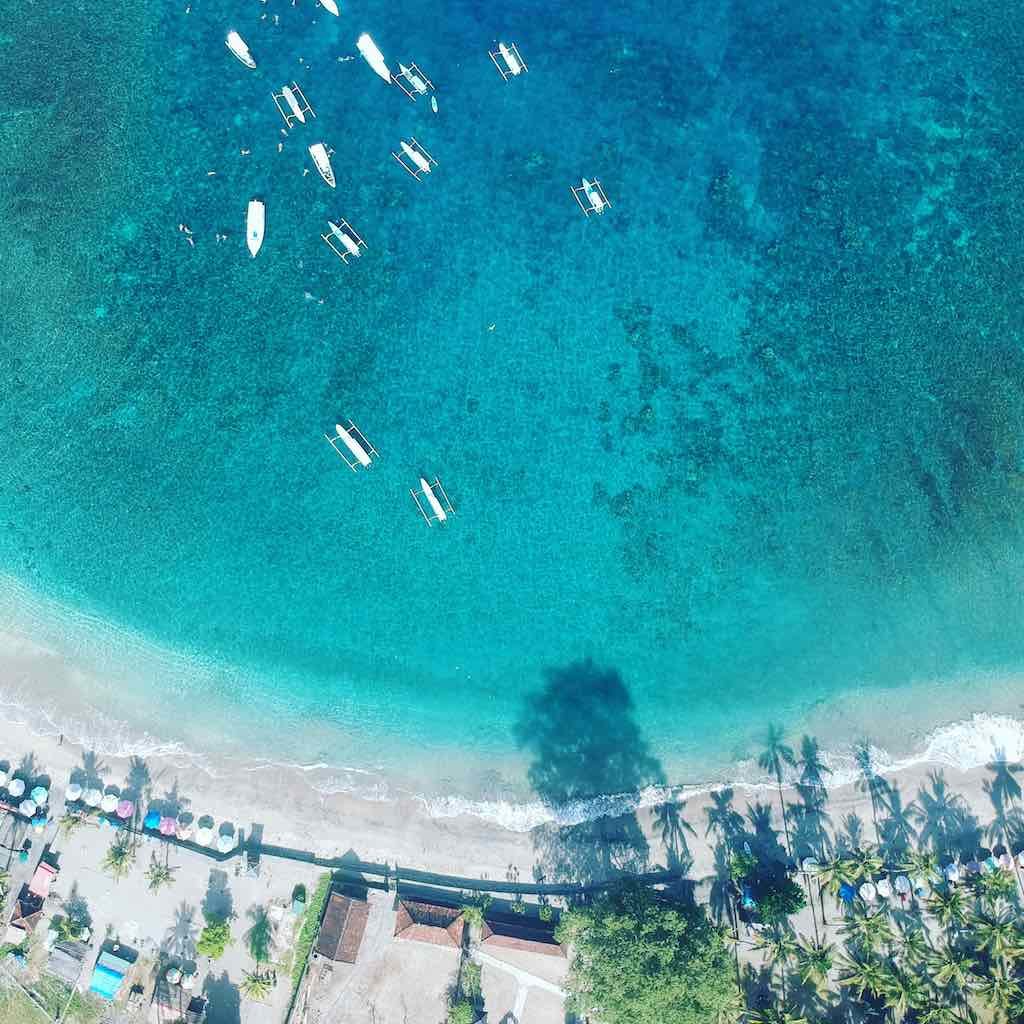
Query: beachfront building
[
  {"x": 432, "y": 921},
  {"x": 342, "y": 928},
  {"x": 505, "y": 931},
  {"x": 66, "y": 962},
  {"x": 112, "y": 967},
  {"x": 28, "y": 912}
]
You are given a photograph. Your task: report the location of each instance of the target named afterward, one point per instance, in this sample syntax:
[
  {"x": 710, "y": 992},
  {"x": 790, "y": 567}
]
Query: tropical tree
[
  {"x": 995, "y": 887},
  {"x": 922, "y": 865},
  {"x": 951, "y": 967},
  {"x": 941, "y": 1013},
  {"x": 777, "y": 946},
  {"x": 775, "y": 1015},
  {"x": 256, "y": 985},
  {"x": 997, "y": 935},
  {"x": 999, "y": 988},
  {"x": 912, "y": 943},
  {"x": 949, "y": 907},
  {"x": 862, "y": 974},
  {"x": 474, "y": 911},
  {"x": 159, "y": 874},
  {"x": 119, "y": 859},
  {"x": 865, "y": 863},
  {"x": 70, "y": 823},
  {"x": 832, "y": 875},
  {"x": 775, "y": 757},
  {"x": 903, "y": 991},
  {"x": 814, "y": 961},
  {"x": 214, "y": 938},
  {"x": 639, "y": 959},
  {"x": 868, "y": 932}
]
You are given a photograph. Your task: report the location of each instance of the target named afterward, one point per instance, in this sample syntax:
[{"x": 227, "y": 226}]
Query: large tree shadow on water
[{"x": 585, "y": 745}]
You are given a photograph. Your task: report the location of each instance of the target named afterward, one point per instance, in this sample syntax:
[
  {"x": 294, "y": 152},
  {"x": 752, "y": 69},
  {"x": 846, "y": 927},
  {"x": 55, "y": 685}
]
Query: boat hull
[
  {"x": 255, "y": 226},
  {"x": 237, "y": 45},
  {"x": 318, "y": 151}
]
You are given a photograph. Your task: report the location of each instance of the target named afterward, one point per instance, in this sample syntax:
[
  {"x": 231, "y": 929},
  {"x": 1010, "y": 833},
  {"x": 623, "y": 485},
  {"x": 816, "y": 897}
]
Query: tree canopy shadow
[
  {"x": 225, "y": 1002},
  {"x": 674, "y": 829},
  {"x": 946, "y": 823},
  {"x": 585, "y": 746},
  {"x": 218, "y": 901},
  {"x": 180, "y": 938}
]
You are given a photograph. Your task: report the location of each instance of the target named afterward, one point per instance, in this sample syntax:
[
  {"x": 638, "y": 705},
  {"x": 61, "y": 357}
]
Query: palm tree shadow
[
  {"x": 585, "y": 745},
  {"x": 225, "y": 1002},
  {"x": 673, "y": 828},
  {"x": 947, "y": 825},
  {"x": 896, "y": 832},
  {"x": 180, "y": 938}
]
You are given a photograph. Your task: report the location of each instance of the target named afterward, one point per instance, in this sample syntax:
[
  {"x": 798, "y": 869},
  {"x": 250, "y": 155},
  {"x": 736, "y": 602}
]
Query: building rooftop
[
  {"x": 341, "y": 930},
  {"x": 440, "y": 924},
  {"x": 528, "y": 935}
]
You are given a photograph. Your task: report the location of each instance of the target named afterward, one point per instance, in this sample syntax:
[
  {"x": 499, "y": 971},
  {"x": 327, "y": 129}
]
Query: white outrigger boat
[
  {"x": 359, "y": 451},
  {"x": 372, "y": 55},
  {"x": 331, "y": 7},
  {"x": 511, "y": 58},
  {"x": 318, "y": 151},
  {"x": 255, "y": 225},
  {"x": 237, "y": 45},
  {"x": 594, "y": 194},
  {"x": 412, "y": 81},
  {"x": 347, "y": 236},
  {"x": 414, "y": 158},
  {"x": 295, "y": 106},
  {"x": 438, "y": 503}
]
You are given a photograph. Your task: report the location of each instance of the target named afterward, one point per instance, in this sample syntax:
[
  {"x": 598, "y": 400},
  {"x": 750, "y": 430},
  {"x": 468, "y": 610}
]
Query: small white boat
[
  {"x": 416, "y": 157},
  {"x": 433, "y": 104},
  {"x": 372, "y": 55},
  {"x": 331, "y": 7},
  {"x": 511, "y": 59},
  {"x": 360, "y": 453},
  {"x": 237, "y": 45},
  {"x": 593, "y": 193},
  {"x": 435, "y": 506},
  {"x": 255, "y": 224},
  {"x": 318, "y": 151},
  {"x": 413, "y": 79},
  {"x": 346, "y": 240},
  {"x": 293, "y": 103}
]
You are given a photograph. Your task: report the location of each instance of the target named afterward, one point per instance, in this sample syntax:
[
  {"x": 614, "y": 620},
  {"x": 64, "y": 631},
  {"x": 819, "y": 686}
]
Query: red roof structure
[
  {"x": 528, "y": 936},
  {"x": 440, "y": 924},
  {"x": 342, "y": 927}
]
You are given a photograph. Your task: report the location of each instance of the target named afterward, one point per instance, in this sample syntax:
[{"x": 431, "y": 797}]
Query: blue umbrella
[
  {"x": 152, "y": 820},
  {"x": 39, "y": 820},
  {"x": 847, "y": 893}
]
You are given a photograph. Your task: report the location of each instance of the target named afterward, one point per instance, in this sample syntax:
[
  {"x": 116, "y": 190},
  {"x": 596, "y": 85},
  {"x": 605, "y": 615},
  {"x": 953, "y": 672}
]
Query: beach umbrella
[
  {"x": 152, "y": 820},
  {"x": 868, "y": 892},
  {"x": 168, "y": 826},
  {"x": 1006, "y": 862},
  {"x": 39, "y": 794},
  {"x": 952, "y": 873},
  {"x": 188, "y": 981},
  {"x": 884, "y": 888},
  {"x": 810, "y": 865},
  {"x": 27, "y": 807},
  {"x": 39, "y": 820},
  {"x": 92, "y": 797},
  {"x": 108, "y": 804},
  {"x": 204, "y": 836},
  {"x": 173, "y": 975},
  {"x": 225, "y": 843},
  {"x": 15, "y": 787},
  {"x": 4, "y": 776},
  {"x": 973, "y": 867},
  {"x": 902, "y": 884},
  {"x": 73, "y": 793},
  {"x": 183, "y": 830},
  {"x": 125, "y": 809}
]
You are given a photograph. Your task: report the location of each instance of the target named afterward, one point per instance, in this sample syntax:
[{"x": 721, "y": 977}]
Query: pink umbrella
[
  {"x": 168, "y": 826},
  {"x": 125, "y": 809}
]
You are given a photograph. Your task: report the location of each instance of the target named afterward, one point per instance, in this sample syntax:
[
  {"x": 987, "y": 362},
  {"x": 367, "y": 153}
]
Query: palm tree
[
  {"x": 999, "y": 988},
  {"x": 941, "y": 1013},
  {"x": 949, "y": 907},
  {"x": 775, "y": 757},
  {"x": 260, "y": 937},
  {"x": 256, "y": 985},
  {"x": 70, "y": 823},
  {"x": 995, "y": 887},
  {"x": 870, "y": 932},
  {"x": 814, "y": 962},
  {"x": 922, "y": 865},
  {"x": 120, "y": 858},
  {"x": 951, "y": 967},
  {"x": 865, "y": 863},
  {"x": 998, "y": 936},
  {"x": 862, "y": 974},
  {"x": 775, "y": 1015},
  {"x": 832, "y": 875},
  {"x": 158, "y": 875},
  {"x": 903, "y": 991},
  {"x": 912, "y": 943}
]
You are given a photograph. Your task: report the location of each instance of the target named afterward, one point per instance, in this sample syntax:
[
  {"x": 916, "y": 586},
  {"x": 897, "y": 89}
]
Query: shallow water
[{"x": 750, "y": 439}]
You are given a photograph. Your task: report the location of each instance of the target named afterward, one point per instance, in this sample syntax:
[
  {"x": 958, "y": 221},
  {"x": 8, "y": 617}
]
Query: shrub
[
  {"x": 545, "y": 913},
  {"x": 214, "y": 938}
]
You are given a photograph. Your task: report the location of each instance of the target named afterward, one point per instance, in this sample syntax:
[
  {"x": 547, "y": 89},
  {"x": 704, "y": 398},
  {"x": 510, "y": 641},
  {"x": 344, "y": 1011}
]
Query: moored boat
[
  {"x": 331, "y": 7},
  {"x": 435, "y": 506},
  {"x": 372, "y": 55},
  {"x": 346, "y": 240},
  {"x": 237, "y": 45},
  {"x": 255, "y": 224},
  {"x": 318, "y": 151}
]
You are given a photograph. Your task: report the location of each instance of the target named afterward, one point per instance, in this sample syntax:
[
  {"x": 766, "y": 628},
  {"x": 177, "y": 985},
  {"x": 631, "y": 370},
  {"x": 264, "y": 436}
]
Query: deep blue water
[{"x": 751, "y": 438}]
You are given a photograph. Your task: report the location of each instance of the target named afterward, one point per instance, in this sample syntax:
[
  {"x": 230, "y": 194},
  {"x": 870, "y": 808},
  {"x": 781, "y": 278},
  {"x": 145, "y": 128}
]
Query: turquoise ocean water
[{"x": 752, "y": 439}]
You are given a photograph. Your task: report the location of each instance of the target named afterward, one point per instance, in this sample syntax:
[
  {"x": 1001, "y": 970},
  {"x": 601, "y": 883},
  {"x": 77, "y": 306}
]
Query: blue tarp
[{"x": 106, "y": 982}]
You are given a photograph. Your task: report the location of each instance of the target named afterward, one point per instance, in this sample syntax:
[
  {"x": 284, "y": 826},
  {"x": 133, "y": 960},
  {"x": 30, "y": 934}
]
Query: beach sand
[{"x": 285, "y": 800}]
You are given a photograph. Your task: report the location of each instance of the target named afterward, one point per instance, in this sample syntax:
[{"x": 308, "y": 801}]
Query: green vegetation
[
  {"x": 260, "y": 937},
  {"x": 473, "y": 910},
  {"x": 57, "y": 998},
  {"x": 545, "y": 912},
  {"x": 310, "y": 924},
  {"x": 215, "y": 937},
  {"x": 256, "y": 985},
  {"x": 159, "y": 874},
  {"x": 640, "y": 959},
  {"x": 17, "y": 1008},
  {"x": 461, "y": 1012},
  {"x": 120, "y": 858}
]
